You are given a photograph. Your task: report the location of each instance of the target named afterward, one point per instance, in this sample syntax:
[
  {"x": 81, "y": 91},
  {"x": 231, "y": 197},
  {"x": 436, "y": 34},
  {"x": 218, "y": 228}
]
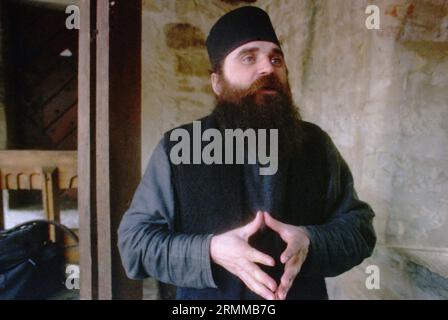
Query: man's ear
[{"x": 216, "y": 84}]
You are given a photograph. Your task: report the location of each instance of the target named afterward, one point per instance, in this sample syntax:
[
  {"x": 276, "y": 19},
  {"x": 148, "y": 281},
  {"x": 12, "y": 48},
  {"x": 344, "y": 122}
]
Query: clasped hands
[{"x": 232, "y": 251}]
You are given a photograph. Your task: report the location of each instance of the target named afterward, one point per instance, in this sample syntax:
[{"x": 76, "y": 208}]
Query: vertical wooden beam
[
  {"x": 2, "y": 212},
  {"x": 118, "y": 135},
  {"x": 87, "y": 152},
  {"x": 102, "y": 141},
  {"x": 50, "y": 199}
]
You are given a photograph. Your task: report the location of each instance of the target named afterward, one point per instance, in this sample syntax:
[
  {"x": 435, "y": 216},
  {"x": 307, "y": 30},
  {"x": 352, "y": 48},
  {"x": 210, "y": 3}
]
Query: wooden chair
[{"x": 49, "y": 171}]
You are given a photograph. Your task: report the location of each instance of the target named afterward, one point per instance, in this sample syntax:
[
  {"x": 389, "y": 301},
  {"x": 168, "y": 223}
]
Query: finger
[
  {"x": 283, "y": 288},
  {"x": 294, "y": 247},
  {"x": 281, "y": 293},
  {"x": 257, "y": 256},
  {"x": 253, "y": 226},
  {"x": 261, "y": 276},
  {"x": 277, "y": 296},
  {"x": 272, "y": 223},
  {"x": 292, "y": 269},
  {"x": 256, "y": 286},
  {"x": 287, "y": 254}
]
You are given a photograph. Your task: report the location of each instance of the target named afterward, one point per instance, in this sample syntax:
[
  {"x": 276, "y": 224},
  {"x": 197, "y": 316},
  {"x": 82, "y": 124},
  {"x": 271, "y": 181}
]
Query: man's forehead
[{"x": 263, "y": 46}]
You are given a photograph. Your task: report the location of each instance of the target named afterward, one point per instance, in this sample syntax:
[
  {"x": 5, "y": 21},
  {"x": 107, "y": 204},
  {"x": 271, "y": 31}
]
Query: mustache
[
  {"x": 241, "y": 96},
  {"x": 269, "y": 82}
]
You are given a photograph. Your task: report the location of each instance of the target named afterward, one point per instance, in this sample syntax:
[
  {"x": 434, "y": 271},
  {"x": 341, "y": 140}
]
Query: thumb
[
  {"x": 253, "y": 226},
  {"x": 287, "y": 254},
  {"x": 274, "y": 224}
]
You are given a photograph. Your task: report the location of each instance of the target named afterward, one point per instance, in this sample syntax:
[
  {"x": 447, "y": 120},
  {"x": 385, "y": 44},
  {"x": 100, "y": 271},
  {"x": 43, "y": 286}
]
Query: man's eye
[
  {"x": 248, "y": 59},
  {"x": 276, "y": 61}
]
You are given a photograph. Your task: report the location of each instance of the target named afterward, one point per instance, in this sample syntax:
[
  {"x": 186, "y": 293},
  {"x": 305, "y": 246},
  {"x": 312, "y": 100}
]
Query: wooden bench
[{"x": 49, "y": 171}]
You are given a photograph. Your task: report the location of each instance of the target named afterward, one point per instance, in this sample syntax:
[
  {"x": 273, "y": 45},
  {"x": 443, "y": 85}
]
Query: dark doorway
[
  {"x": 42, "y": 72},
  {"x": 41, "y": 61}
]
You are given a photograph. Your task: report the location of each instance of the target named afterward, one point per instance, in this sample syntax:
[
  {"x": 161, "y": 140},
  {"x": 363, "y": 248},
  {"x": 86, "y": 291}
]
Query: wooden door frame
[{"x": 109, "y": 142}]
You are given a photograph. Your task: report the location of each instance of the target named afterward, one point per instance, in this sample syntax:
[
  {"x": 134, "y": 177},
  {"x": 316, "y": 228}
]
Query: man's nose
[{"x": 265, "y": 66}]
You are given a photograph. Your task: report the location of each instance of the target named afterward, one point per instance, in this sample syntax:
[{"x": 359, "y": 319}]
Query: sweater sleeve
[
  {"x": 347, "y": 237},
  {"x": 148, "y": 245}
]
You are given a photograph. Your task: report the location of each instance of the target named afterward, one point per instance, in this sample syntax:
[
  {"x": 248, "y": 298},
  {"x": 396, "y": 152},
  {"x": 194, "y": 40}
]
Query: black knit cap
[{"x": 236, "y": 28}]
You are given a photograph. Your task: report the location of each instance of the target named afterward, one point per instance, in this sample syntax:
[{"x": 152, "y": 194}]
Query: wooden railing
[{"x": 49, "y": 171}]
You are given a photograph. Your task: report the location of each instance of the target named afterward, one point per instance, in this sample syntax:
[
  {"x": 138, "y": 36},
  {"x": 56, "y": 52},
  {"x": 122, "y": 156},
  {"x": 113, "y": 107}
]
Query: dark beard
[{"x": 245, "y": 109}]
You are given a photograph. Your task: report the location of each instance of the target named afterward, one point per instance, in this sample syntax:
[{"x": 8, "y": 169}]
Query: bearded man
[{"x": 223, "y": 231}]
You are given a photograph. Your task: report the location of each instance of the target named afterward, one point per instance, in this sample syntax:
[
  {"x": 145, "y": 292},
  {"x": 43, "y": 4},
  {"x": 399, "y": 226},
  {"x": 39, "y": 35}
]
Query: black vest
[{"x": 211, "y": 199}]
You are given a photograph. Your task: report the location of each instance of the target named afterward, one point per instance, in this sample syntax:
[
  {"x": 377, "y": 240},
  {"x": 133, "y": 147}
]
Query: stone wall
[{"x": 381, "y": 95}]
